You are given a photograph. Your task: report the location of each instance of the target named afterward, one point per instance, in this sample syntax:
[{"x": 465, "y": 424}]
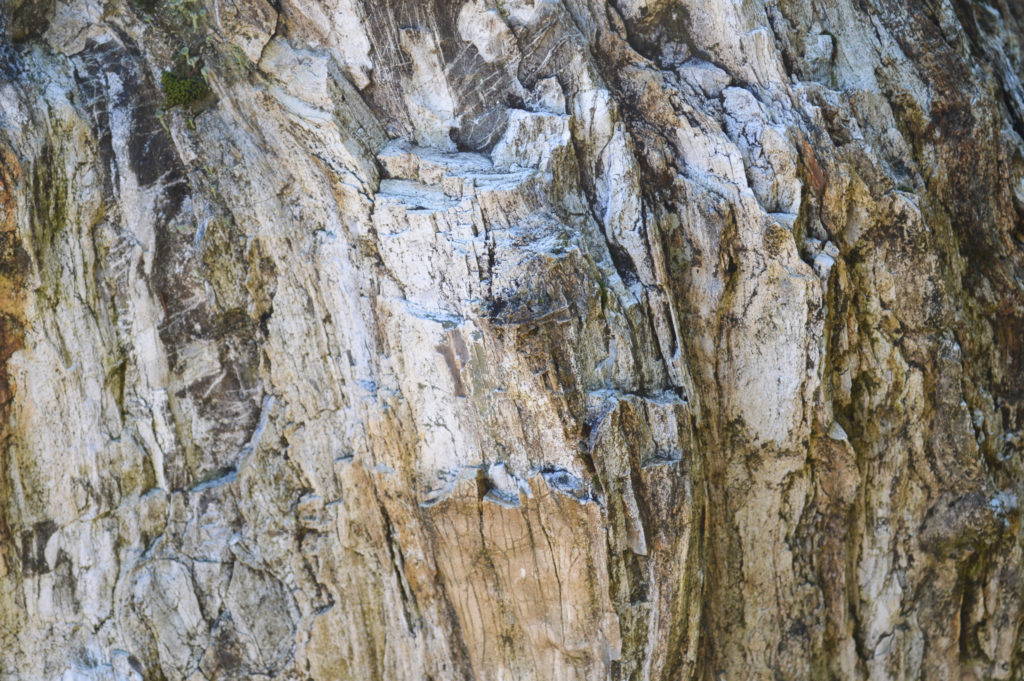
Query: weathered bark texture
[{"x": 512, "y": 339}]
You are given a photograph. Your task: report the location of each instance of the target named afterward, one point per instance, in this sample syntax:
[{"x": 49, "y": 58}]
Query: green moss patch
[{"x": 183, "y": 90}]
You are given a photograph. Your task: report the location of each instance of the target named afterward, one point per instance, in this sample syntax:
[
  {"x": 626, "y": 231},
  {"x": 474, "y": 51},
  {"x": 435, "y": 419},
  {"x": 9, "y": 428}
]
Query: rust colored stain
[
  {"x": 13, "y": 270},
  {"x": 815, "y": 175}
]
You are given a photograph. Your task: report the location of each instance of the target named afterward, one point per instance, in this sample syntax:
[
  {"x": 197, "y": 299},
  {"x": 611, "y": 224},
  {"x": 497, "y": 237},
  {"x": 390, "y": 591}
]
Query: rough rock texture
[{"x": 512, "y": 339}]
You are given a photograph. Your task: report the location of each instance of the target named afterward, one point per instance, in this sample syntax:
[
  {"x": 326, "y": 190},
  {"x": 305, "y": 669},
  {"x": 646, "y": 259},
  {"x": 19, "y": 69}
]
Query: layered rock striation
[{"x": 511, "y": 339}]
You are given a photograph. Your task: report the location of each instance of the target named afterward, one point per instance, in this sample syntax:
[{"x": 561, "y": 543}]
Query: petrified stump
[{"x": 511, "y": 340}]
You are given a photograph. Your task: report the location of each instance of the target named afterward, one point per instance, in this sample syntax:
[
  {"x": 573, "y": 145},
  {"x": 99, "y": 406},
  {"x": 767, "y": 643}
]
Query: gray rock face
[{"x": 512, "y": 339}]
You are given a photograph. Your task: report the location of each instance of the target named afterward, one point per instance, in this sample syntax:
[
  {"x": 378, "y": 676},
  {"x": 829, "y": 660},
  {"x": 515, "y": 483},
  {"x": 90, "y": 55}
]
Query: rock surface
[{"x": 512, "y": 339}]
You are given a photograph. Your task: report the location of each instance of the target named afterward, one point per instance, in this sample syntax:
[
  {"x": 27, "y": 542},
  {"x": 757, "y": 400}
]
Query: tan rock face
[{"x": 501, "y": 339}]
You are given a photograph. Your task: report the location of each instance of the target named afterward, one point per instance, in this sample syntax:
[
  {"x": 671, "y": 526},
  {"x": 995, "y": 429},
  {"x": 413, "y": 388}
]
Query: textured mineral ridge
[{"x": 500, "y": 340}]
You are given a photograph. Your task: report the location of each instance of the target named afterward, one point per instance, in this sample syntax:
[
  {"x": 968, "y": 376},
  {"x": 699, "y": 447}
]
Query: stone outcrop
[{"x": 512, "y": 339}]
